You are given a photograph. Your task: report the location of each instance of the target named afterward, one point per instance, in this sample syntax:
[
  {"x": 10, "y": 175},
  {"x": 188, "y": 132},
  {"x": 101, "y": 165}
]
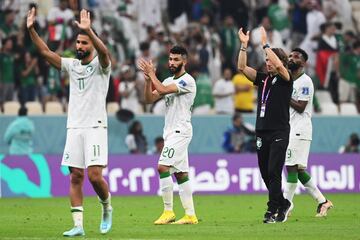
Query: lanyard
[{"x": 263, "y": 97}]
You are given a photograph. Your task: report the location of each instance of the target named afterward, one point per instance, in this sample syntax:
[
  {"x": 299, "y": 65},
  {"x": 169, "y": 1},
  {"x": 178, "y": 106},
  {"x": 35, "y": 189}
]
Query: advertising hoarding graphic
[{"x": 42, "y": 176}]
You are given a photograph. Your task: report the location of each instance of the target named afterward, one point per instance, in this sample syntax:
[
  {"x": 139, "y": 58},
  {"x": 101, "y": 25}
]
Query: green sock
[
  {"x": 182, "y": 180},
  {"x": 292, "y": 177},
  {"x": 304, "y": 177},
  {"x": 164, "y": 174}
]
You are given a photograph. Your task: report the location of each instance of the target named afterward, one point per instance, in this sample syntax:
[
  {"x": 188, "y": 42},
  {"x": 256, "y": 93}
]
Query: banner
[{"x": 39, "y": 175}]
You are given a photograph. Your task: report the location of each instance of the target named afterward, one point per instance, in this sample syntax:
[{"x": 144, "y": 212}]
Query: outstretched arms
[
  {"x": 249, "y": 72},
  {"x": 50, "y": 56},
  {"x": 85, "y": 25}
]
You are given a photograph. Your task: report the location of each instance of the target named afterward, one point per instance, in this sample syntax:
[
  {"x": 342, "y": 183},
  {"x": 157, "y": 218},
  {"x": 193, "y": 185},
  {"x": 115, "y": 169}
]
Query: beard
[
  {"x": 82, "y": 54},
  {"x": 175, "y": 70},
  {"x": 293, "y": 66}
]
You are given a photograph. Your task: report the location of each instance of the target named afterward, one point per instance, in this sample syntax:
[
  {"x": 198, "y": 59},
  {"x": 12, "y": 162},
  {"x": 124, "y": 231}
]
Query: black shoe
[
  {"x": 269, "y": 217},
  {"x": 283, "y": 211}
]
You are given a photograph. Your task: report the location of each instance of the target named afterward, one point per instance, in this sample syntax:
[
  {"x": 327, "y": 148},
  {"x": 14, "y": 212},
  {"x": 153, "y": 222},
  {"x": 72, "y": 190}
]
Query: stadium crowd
[{"x": 327, "y": 29}]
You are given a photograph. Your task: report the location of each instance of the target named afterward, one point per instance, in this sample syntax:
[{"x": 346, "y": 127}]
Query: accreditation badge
[{"x": 262, "y": 110}]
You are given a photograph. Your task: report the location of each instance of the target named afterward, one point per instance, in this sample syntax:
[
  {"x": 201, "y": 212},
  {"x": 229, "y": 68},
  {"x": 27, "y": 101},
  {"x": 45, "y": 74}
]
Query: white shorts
[
  {"x": 298, "y": 153},
  {"x": 86, "y": 147},
  {"x": 175, "y": 153}
]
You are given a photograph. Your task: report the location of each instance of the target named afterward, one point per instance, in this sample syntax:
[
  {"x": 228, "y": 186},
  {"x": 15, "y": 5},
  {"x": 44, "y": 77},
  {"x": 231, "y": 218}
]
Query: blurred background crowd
[{"x": 328, "y": 30}]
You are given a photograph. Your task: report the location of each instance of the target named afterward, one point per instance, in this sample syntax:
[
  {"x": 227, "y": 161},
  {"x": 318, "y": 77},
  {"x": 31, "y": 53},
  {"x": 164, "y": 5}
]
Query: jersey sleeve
[
  {"x": 65, "y": 64},
  {"x": 185, "y": 85},
  {"x": 105, "y": 70},
  {"x": 306, "y": 91}
]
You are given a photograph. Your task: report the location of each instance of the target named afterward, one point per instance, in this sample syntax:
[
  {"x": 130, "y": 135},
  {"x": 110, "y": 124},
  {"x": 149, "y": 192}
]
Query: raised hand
[
  {"x": 85, "y": 21},
  {"x": 263, "y": 36},
  {"x": 244, "y": 38},
  {"x": 30, "y": 18}
]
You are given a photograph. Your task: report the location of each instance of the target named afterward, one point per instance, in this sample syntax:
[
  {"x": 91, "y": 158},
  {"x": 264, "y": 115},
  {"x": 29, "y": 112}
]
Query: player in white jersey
[
  {"x": 301, "y": 133},
  {"x": 179, "y": 92},
  {"x": 86, "y": 140}
]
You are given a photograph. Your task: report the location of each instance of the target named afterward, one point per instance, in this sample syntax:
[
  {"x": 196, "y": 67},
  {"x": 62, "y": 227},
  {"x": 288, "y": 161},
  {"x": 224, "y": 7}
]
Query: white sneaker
[
  {"x": 106, "y": 220},
  {"x": 75, "y": 231}
]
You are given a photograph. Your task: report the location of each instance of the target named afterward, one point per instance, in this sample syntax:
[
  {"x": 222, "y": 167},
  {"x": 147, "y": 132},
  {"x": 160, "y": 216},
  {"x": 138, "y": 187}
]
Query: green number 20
[{"x": 168, "y": 152}]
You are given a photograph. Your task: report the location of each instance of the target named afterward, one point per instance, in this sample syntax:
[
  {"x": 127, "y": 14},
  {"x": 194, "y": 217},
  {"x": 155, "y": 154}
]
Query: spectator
[
  {"x": 19, "y": 134},
  {"x": 352, "y": 146},
  {"x": 127, "y": 90},
  {"x": 350, "y": 72},
  {"x": 135, "y": 140},
  {"x": 7, "y": 28},
  {"x": 223, "y": 92},
  {"x": 229, "y": 42},
  {"x": 240, "y": 137},
  {"x": 279, "y": 19},
  {"x": 7, "y": 77},
  {"x": 244, "y": 93},
  {"x": 158, "y": 147},
  {"x": 29, "y": 71},
  {"x": 60, "y": 21},
  {"x": 327, "y": 65}
]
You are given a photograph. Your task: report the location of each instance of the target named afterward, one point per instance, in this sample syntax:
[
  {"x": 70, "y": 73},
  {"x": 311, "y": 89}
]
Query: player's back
[
  {"x": 179, "y": 105},
  {"x": 88, "y": 89},
  {"x": 300, "y": 123}
]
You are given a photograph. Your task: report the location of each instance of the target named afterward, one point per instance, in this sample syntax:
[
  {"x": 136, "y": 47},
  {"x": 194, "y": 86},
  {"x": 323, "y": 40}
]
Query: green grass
[{"x": 221, "y": 217}]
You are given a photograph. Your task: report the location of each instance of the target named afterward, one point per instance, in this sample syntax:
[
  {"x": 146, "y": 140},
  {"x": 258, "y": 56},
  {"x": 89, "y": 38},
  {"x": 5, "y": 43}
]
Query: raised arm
[
  {"x": 85, "y": 25},
  {"x": 280, "y": 68},
  {"x": 50, "y": 56},
  {"x": 148, "y": 69},
  {"x": 249, "y": 72}
]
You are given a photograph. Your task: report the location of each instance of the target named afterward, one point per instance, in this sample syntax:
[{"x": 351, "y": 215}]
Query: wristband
[{"x": 266, "y": 46}]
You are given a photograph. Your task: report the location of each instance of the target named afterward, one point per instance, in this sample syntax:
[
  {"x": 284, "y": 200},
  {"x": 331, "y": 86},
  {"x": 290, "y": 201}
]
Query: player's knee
[
  {"x": 181, "y": 175},
  {"x": 94, "y": 176},
  {"x": 162, "y": 169},
  {"x": 76, "y": 176}
]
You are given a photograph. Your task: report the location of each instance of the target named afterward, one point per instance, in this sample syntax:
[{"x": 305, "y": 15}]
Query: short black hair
[
  {"x": 144, "y": 46},
  {"x": 158, "y": 140},
  {"x": 280, "y": 53},
  {"x": 179, "y": 50},
  {"x": 83, "y": 32},
  {"x": 22, "y": 111},
  {"x": 302, "y": 52},
  {"x": 236, "y": 116}
]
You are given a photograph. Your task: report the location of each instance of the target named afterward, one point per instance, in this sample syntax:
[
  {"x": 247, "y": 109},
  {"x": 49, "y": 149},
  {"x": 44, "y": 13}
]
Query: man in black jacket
[{"x": 272, "y": 121}]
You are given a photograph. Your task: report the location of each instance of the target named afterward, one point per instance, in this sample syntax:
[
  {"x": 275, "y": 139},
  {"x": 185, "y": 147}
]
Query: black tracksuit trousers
[{"x": 271, "y": 151}]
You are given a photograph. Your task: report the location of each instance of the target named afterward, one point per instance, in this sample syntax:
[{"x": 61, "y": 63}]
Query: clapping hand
[
  {"x": 263, "y": 36},
  {"x": 30, "y": 18},
  {"x": 244, "y": 38}
]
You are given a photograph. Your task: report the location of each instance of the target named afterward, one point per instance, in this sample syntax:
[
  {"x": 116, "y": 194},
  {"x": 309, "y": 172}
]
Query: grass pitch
[{"x": 221, "y": 217}]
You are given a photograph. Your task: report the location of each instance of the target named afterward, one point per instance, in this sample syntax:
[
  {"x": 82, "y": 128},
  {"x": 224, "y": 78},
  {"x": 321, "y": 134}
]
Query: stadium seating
[
  {"x": 329, "y": 108},
  {"x": 53, "y": 108},
  {"x": 11, "y": 108},
  {"x": 348, "y": 109},
  {"x": 112, "y": 107},
  {"x": 323, "y": 96},
  {"x": 34, "y": 108}
]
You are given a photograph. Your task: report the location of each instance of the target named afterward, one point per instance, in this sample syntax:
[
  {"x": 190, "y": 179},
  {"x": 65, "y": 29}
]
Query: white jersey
[
  {"x": 88, "y": 89},
  {"x": 179, "y": 105},
  {"x": 224, "y": 104},
  {"x": 300, "y": 123}
]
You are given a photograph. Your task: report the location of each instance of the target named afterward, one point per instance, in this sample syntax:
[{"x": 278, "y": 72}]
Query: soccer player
[
  {"x": 272, "y": 121},
  {"x": 86, "y": 140},
  {"x": 179, "y": 92},
  {"x": 301, "y": 133}
]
